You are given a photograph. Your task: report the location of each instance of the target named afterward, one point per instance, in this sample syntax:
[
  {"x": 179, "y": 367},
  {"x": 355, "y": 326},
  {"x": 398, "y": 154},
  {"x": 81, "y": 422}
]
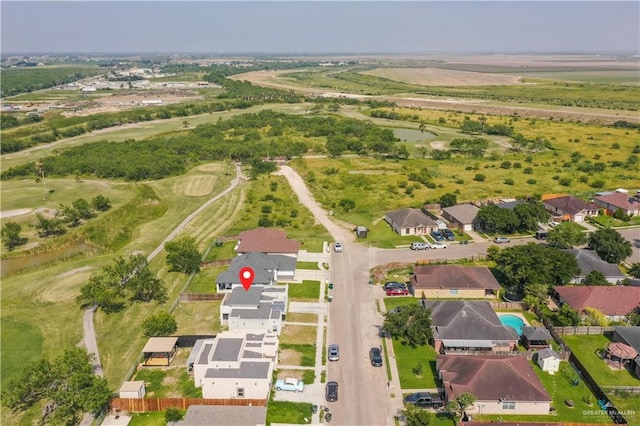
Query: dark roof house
[
  {"x": 453, "y": 276},
  {"x": 619, "y": 200},
  {"x": 613, "y": 301},
  {"x": 410, "y": 222},
  {"x": 535, "y": 337},
  {"x": 628, "y": 335},
  {"x": 266, "y": 269},
  {"x": 570, "y": 208},
  {"x": 588, "y": 261},
  {"x": 266, "y": 240}
]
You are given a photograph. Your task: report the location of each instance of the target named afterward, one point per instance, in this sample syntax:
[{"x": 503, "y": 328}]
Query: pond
[
  {"x": 410, "y": 135},
  {"x": 14, "y": 264}
]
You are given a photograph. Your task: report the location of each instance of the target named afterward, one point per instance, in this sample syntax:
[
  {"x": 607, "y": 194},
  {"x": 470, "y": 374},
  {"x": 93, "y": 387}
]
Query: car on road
[
  {"x": 424, "y": 400},
  {"x": 333, "y": 352},
  {"x": 438, "y": 245},
  {"x": 437, "y": 235},
  {"x": 393, "y": 284},
  {"x": 331, "y": 392},
  {"x": 289, "y": 384},
  {"x": 397, "y": 292},
  {"x": 337, "y": 247},
  {"x": 375, "y": 355},
  {"x": 419, "y": 246},
  {"x": 500, "y": 240}
]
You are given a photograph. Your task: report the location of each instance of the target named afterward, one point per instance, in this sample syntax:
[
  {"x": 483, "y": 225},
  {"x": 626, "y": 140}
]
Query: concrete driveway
[{"x": 313, "y": 394}]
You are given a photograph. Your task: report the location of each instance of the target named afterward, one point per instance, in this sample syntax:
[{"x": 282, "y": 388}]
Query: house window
[
  {"x": 225, "y": 317},
  {"x": 453, "y": 291},
  {"x": 508, "y": 405},
  {"x": 407, "y": 230},
  {"x": 240, "y": 392}
]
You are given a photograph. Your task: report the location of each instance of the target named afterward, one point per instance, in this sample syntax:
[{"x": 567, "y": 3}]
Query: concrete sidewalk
[{"x": 394, "y": 388}]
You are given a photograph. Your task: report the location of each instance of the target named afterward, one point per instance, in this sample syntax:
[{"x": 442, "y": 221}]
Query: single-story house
[
  {"x": 501, "y": 384},
  {"x": 410, "y": 222},
  {"x": 588, "y": 261},
  {"x": 268, "y": 270},
  {"x": 468, "y": 325},
  {"x": 548, "y": 360},
  {"x": 207, "y": 415},
  {"x": 535, "y": 337},
  {"x": 629, "y": 336},
  {"x": 259, "y": 308},
  {"x": 620, "y": 199},
  {"x": 464, "y": 215},
  {"x": 509, "y": 204},
  {"x": 449, "y": 281},
  {"x": 569, "y": 208},
  {"x": 235, "y": 365},
  {"x": 159, "y": 351},
  {"x": 615, "y": 302},
  {"x": 268, "y": 241}
]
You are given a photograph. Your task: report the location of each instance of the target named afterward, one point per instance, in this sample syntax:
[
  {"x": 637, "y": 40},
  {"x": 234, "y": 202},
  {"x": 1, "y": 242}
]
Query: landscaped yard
[
  {"x": 307, "y": 291},
  {"x": 587, "y": 348},
  {"x": 416, "y": 366},
  {"x": 393, "y": 302},
  {"x": 154, "y": 418},
  {"x": 223, "y": 252},
  {"x": 169, "y": 382},
  {"x": 205, "y": 280},
  {"x": 610, "y": 221},
  {"x": 288, "y": 412},
  {"x": 307, "y": 265}
]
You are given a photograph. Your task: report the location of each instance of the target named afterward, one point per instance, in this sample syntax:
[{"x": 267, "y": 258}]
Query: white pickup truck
[{"x": 290, "y": 384}]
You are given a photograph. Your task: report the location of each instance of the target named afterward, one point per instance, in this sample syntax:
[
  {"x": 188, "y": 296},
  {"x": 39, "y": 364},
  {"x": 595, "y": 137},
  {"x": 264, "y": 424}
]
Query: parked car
[
  {"x": 438, "y": 245},
  {"x": 376, "y": 357},
  {"x": 337, "y": 247},
  {"x": 393, "y": 284},
  {"x": 397, "y": 292},
  {"x": 553, "y": 224},
  {"x": 331, "y": 393},
  {"x": 334, "y": 352},
  {"x": 424, "y": 400},
  {"x": 448, "y": 234},
  {"x": 419, "y": 246},
  {"x": 290, "y": 384},
  {"x": 500, "y": 240},
  {"x": 437, "y": 236}
]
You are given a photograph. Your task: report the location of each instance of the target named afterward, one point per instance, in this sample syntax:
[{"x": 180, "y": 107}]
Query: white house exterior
[
  {"x": 236, "y": 365},
  {"x": 259, "y": 308}
]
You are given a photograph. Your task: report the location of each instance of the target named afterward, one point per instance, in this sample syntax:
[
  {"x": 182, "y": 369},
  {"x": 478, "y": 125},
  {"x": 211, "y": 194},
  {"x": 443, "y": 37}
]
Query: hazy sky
[{"x": 321, "y": 27}]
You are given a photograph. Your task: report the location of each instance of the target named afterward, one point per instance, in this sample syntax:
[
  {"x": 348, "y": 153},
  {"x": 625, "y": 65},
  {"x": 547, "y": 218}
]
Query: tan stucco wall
[{"x": 226, "y": 388}]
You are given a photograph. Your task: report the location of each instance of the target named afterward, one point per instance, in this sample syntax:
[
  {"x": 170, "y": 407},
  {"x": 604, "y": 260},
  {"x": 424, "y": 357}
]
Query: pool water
[{"x": 513, "y": 321}]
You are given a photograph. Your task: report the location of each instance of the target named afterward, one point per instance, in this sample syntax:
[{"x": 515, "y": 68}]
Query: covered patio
[{"x": 159, "y": 351}]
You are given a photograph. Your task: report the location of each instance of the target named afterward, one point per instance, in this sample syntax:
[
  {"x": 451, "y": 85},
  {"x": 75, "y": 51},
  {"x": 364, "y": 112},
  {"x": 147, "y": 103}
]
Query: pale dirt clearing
[
  {"x": 444, "y": 77},
  {"x": 299, "y": 334},
  {"x": 65, "y": 288},
  {"x": 75, "y": 271},
  {"x": 195, "y": 186},
  {"x": 289, "y": 357},
  {"x": 13, "y": 213},
  {"x": 438, "y": 145}
]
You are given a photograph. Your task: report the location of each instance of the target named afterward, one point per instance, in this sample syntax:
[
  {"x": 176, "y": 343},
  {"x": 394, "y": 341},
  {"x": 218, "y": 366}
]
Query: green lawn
[
  {"x": 170, "y": 382},
  {"x": 409, "y": 360},
  {"x": 21, "y": 344},
  {"x": 307, "y": 353},
  {"x": 307, "y": 291},
  {"x": 307, "y": 265},
  {"x": 224, "y": 252},
  {"x": 153, "y": 418},
  {"x": 205, "y": 280},
  {"x": 288, "y": 412},
  {"x": 392, "y": 302},
  {"x": 609, "y": 221},
  {"x": 586, "y": 348}
]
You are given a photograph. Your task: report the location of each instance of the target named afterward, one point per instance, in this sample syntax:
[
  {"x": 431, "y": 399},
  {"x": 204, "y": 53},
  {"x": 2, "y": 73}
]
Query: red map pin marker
[{"x": 246, "y": 277}]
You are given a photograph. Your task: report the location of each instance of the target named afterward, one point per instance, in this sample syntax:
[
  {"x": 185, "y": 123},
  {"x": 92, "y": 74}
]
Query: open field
[
  {"x": 443, "y": 77},
  {"x": 298, "y": 334},
  {"x": 18, "y": 80},
  {"x": 198, "y": 317}
]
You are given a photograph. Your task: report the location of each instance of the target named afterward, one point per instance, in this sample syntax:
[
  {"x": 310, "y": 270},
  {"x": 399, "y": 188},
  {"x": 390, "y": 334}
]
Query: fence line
[
  {"x": 215, "y": 263},
  {"x": 200, "y": 297},
  {"x": 141, "y": 405},
  {"x": 590, "y": 329}
]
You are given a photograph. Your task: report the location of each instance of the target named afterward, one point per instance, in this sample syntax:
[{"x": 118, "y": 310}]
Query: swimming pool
[{"x": 513, "y": 321}]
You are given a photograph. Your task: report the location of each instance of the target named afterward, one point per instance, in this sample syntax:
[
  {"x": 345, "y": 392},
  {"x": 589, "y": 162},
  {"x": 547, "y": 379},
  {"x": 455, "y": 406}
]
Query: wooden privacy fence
[
  {"x": 142, "y": 405},
  {"x": 506, "y": 305},
  {"x": 215, "y": 263},
  {"x": 200, "y": 297},
  {"x": 590, "y": 329}
]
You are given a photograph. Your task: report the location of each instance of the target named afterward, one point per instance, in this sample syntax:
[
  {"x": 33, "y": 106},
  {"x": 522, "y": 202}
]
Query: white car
[
  {"x": 553, "y": 224},
  {"x": 438, "y": 245},
  {"x": 337, "y": 247}
]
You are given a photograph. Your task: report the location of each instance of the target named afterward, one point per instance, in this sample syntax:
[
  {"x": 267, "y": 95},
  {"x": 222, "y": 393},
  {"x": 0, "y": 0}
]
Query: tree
[
  {"x": 160, "y": 324},
  {"x": 592, "y": 316},
  {"x": 48, "y": 227},
  {"x": 11, "y": 235},
  {"x": 566, "y": 316},
  {"x": 172, "y": 414},
  {"x": 411, "y": 323},
  {"x": 101, "y": 203},
  {"x": 147, "y": 287},
  {"x": 595, "y": 278},
  {"x": 183, "y": 255},
  {"x": 83, "y": 208},
  {"x": 634, "y": 270},
  {"x": 423, "y": 150},
  {"x": 347, "y": 204},
  {"x": 185, "y": 124},
  {"x": 68, "y": 214},
  {"x": 610, "y": 245},
  {"x": 458, "y": 406},
  {"x": 634, "y": 317},
  {"x": 416, "y": 416},
  {"x": 566, "y": 235},
  {"x": 448, "y": 200}
]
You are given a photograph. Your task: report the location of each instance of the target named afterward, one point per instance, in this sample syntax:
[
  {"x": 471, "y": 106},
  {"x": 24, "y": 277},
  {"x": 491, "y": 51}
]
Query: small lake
[
  {"x": 411, "y": 135},
  {"x": 14, "y": 264}
]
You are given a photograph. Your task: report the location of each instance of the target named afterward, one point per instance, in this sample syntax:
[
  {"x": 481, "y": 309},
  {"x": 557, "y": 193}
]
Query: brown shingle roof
[
  {"x": 265, "y": 240},
  {"x": 410, "y": 218},
  {"x": 619, "y": 199},
  {"x": 463, "y": 213},
  {"x": 570, "y": 205},
  {"x": 610, "y": 300},
  {"x": 491, "y": 378},
  {"x": 453, "y": 276}
]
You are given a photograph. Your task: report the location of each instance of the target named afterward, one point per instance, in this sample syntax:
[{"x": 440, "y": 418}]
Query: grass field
[
  {"x": 298, "y": 334},
  {"x": 198, "y": 317},
  {"x": 154, "y": 418},
  {"x": 302, "y": 317},
  {"x": 288, "y": 412},
  {"x": 307, "y": 291},
  {"x": 416, "y": 365},
  {"x": 297, "y": 354}
]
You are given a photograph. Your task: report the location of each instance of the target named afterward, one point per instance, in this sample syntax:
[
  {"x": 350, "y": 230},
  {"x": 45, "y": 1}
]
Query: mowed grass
[
  {"x": 307, "y": 291},
  {"x": 302, "y": 317},
  {"x": 298, "y": 334},
  {"x": 416, "y": 365},
  {"x": 198, "y": 317},
  {"x": 21, "y": 344},
  {"x": 297, "y": 354},
  {"x": 205, "y": 280},
  {"x": 153, "y": 418},
  {"x": 288, "y": 412},
  {"x": 307, "y": 265}
]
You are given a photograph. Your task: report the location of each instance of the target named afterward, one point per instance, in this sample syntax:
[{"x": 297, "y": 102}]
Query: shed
[
  {"x": 361, "y": 231},
  {"x": 549, "y": 360},
  {"x": 159, "y": 351},
  {"x": 132, "y": 389}
]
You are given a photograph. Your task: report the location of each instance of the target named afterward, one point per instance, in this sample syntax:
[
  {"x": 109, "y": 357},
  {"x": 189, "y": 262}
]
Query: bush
[
  {"x": 479, "y": 177},
  {"x": 509, "y": 182},
  {"x": 172, "y": 415}
]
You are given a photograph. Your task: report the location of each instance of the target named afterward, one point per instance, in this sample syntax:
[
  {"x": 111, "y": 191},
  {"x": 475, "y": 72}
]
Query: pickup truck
[
  {"x": 290, "y": 384},
  {"x": 424, "y": 400}
]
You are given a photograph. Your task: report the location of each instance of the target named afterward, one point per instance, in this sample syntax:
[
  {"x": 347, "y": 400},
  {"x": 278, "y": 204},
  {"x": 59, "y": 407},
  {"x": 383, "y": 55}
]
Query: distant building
[
  {"x": 612, "y": 201},
  {"x": 569, "y": 208},
  {"x": 464, "y": 215},
  {"x": 268, "y": 241},
  {"x": 268, "y": 269},
  {"x": 615, "y": 302},
  {"x": 410, "y": 222}
]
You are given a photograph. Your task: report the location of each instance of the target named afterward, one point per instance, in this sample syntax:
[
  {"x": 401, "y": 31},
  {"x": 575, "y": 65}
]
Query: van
[{"x": 541, "y": 235}]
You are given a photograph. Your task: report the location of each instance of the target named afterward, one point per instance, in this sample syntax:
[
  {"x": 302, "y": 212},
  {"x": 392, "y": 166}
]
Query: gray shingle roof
[
  {"x": 536, "y": 333},
  {"x": 588, "y": 261},
  {"x": 547, "y": 353},
  {"x": 247, "y": 370},
  {"x": 463, "y": 213},
  {"x": 410, "y": 218},
  {"x": 262, "y": 264},
  {"x": 207, "y": 415},
  {"x": 241, "y": 297},
  {"x": 631, "y": 335},
  {"x": 227, "y": 349}
]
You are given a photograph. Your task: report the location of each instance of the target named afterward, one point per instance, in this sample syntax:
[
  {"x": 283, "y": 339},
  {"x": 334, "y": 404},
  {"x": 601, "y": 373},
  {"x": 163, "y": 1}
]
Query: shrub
[
  {"x": 172, "y": 414},
  {"x": 509, "y": 182},
  {"x": 532, "y": 181},
  {"x": 528, "y": 170},
  {"x": 479, "y": 177},
  {"x": 565, "y": 182}
]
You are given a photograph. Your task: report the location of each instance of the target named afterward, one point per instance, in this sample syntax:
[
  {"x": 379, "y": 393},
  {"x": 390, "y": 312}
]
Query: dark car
[
  {"x": 376, "y": 357},
  {"x": 393, "y": 284},
  {"x": 437, "y": 236},
  {"x": 424, "y": 400},
  {"x": 397, "y": 292},
  {"x": 448, "y": 234},
  {"x": 331, "y": 393}
]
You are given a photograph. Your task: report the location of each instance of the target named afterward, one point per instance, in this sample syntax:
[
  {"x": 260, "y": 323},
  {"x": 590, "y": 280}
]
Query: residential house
[
  {"x": 410, "y": 222},
  {"x": 464, "y": 215},
  {"x": 588, "y": 261},
  {"x": 449, "y": 281},
  {"x": 509, "y": 203},
  {"x": 268, "y": 270},
  {"x": 615, "y": 302},
  {"x": 620, "y": 199},
  {"x": 207, "y": 415},
  {"x": 259, "y": 308},
  {"x": 548, "y": 360},
  {"x": 268, "y": 241},
  {"x": 535, "y": 337},
  {"x": 501, "y": 384},
  {"x": 468, "y": 325},
  {"x": 235, "y": 365},
  {"x": 569, "y": 208},
  {"x": 629, "y": 336}
]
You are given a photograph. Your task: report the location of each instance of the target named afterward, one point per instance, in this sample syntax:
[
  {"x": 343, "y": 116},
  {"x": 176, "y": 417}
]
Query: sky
[{"x": 323, "y": 27}]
